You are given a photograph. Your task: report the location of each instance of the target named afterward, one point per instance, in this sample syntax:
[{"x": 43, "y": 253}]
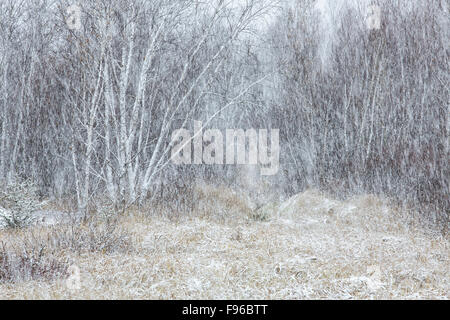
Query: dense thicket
[
  {"x": 371, "y": 112},
  {"x": 90, "y": 112}
]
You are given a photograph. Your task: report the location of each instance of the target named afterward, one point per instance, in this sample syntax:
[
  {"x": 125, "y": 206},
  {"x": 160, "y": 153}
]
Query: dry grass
[{"x": 311, "y": 247}]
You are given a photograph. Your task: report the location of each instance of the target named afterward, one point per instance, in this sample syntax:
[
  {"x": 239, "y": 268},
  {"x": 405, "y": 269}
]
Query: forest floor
[{"x": 308, "y": 247}]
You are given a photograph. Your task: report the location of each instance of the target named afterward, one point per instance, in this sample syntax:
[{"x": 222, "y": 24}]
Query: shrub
[
  {"x": 92, "y": 236},
  {"x": 18, "y": 202},
  {"x": 41, "y": 253},
  {"x": 31, "y": 262}
]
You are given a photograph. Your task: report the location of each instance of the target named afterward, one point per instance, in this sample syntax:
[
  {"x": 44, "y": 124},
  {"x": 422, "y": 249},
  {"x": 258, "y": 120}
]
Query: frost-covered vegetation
[
  {"x": 18, "y": 204},
  {"x": 90, "y": 98},
  {"x": 311, "y": 246},
  {"x": 372, "y": 110}
]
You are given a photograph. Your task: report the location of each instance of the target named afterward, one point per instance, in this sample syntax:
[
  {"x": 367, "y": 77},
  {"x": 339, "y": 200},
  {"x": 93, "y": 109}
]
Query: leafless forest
[{"x": 91, "y": 92}]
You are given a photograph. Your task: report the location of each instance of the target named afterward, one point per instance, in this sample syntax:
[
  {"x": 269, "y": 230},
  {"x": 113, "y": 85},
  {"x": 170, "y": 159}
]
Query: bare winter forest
[{"x": 313, "y": 160}]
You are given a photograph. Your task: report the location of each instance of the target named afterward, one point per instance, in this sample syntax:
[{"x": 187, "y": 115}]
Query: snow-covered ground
[{"x": 311, "y": 246}]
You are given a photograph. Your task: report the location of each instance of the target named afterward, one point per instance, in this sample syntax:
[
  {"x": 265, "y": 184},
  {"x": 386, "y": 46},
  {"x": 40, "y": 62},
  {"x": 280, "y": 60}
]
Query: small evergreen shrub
[{"x": 18, "y": 202}]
